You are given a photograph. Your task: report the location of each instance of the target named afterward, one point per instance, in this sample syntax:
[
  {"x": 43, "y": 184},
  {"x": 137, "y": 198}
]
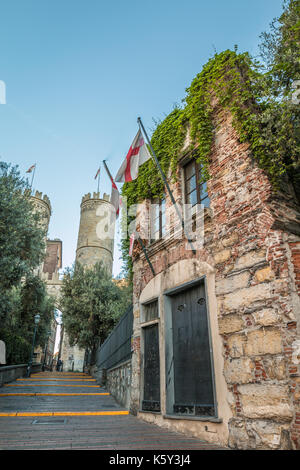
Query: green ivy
[
  {"x": 235, "y": 83},
  {"x": 167, "y": 140},
  {"x": 234, "y": 80}
]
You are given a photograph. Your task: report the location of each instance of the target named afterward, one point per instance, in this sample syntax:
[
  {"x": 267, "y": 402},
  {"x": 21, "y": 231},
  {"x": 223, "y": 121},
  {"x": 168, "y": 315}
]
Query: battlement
[
  {"x": 88, "y": 197},
  {"x": 45, "y": 199},
  {"x": 51, "y": 278}
]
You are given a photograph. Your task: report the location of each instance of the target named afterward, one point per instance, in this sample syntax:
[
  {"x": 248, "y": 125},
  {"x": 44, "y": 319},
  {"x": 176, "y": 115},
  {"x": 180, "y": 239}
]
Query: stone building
[
  {"x": 42, "y": 206},
  {"x": 216, "y": 345},
  {"x": 96, "y": 235},
  {"x": 48, "y": 271},
  {"x": 51, "y": 266},
  {"x": 95, "y": 243}
]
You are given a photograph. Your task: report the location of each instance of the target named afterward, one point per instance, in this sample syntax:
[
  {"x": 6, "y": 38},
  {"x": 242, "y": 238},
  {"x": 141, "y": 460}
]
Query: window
[
  {"x": 195, "y": 192},
  {"x": 158, "y": 219},
  {"x": 150, "y": 311}
]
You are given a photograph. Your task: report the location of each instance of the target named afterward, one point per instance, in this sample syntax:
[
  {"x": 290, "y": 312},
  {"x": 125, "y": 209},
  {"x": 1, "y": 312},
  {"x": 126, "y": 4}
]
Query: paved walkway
[{"x": 70, "y": 411}]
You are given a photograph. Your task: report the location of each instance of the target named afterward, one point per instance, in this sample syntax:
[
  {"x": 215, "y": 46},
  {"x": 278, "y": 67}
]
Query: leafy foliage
[
  {"x": 22, "y": 245},
  {"x": 17, "y": 327},
  {"x": 166, "y": 141},
  {"x": 280, "y": 119},
  {"x": 92, "y": 303},
  {"x": 280, "y": 48},
  {"x": 22, "y": 249}
]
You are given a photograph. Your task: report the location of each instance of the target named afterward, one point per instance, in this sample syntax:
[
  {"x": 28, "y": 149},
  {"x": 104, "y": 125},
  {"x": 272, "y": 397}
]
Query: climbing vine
[
  {"x": 167, "y": 140},
  {"x": 234, "y": 82}
]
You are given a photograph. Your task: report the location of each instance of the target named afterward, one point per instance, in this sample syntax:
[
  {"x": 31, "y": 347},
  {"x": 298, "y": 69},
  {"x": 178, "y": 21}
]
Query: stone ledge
[
  {"x": 151, "y": 412},
  {"x": 194, "y": 418}
]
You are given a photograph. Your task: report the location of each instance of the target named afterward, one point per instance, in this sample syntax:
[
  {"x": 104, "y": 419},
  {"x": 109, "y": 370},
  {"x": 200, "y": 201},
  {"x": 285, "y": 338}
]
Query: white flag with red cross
[
  {"x": 131, "y": 243},
  {"x": 115, "y": 197},
  {"x": 136, "y": 156}
]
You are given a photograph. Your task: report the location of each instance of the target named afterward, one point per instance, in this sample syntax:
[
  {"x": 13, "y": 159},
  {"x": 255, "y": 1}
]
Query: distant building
[{"x": 48, "y": 272}]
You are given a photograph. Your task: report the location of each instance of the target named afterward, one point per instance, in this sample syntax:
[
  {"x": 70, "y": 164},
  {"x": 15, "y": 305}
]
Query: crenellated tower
[
  {"x": 95, "y": 243},
  {"x": 48, "y": 270},
  {"x": 42, "y": 205},
  {"x": 96, "y": 231}
]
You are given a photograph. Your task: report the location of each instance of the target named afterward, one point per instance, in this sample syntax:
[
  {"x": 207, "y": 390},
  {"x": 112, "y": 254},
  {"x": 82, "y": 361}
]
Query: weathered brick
[
  {"x": 245, "y": 297},
  {"x": 263, "y": 341},
  {"x": 232, "y": 283},
  {"x": 250, "y": 259},
  {"x": 236, "y": 345},
  {"x": 265, "y": 274},
  {"x": 222, "y": 256},
  {"x": 266, "y": 317},
  {"x": 230, "y": 324},
  {"x": 265, "y": 401},
  {"x": 239, "y": 371}
]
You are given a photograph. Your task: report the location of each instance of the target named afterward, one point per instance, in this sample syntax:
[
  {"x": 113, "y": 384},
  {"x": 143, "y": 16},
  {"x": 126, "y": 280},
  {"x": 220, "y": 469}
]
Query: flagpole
[
  {"x": 165, "y": 181},
  {"x": 108, "y": 172},
  {"x": 138, "y": 236},
  {"x": 98, "y": 181},
  {"x": 145, "y": 253},
  {"x": 32, "y": 177}
]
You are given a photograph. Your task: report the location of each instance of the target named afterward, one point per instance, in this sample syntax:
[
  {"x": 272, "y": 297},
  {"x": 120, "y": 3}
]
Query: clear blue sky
[{"x": 79, "y": 73}]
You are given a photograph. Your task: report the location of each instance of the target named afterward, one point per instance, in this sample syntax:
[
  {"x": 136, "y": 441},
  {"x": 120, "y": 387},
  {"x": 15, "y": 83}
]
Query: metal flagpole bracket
[
  {"x": 165, "y": 182},
  {"x": 98, "y": 185},
  {"x": 145, "y": 253},
  {"x": 32, "y": 176},
  {"x": 108, "y": 172}
]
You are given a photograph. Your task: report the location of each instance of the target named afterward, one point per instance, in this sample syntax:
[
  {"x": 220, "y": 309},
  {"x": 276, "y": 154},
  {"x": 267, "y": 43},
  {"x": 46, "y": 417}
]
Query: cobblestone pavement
[{"x": 70, "y": 411}]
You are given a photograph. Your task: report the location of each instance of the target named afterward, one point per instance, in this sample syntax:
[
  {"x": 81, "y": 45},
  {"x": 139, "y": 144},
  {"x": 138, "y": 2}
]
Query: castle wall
[
  {"x": 92, "y": 245},
  {"x": 53, "y": 259},
  {"x": 72, "y": 356},
  {"x": 42, "y": 206}
]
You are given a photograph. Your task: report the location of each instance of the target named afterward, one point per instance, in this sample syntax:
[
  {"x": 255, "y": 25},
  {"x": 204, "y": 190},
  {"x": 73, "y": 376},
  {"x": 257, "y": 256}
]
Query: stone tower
[
  {"x": 96, "y": 234},
  {"x": 47, "y": 271},
  {"x": 42, "y": 206},
  {"x": 95, "y": 243}
]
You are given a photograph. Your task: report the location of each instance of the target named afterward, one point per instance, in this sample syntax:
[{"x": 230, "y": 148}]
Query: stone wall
[
  {"x": 118, "y": 381},
  {"x": 72, "y": 356},
  {"x": 251, "y": 250},
  {"x": 11, "y": 373},
  {"x": 53, "y": 259}
]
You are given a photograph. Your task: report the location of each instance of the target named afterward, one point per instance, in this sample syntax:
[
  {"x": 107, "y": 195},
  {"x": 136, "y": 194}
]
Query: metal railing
[{"x": 117, "y": 346}]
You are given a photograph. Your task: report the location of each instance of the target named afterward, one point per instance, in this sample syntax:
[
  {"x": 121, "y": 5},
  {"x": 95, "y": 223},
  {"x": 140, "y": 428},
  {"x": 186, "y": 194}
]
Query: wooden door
[
  {"x": 151, "y": 401},
  {"x": 193, "y": 380}
]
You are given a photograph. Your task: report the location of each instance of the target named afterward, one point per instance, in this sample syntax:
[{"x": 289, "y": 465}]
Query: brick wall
[
  {"x": 251, "y": 245},
  {"x": 53, "y": 257}
]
